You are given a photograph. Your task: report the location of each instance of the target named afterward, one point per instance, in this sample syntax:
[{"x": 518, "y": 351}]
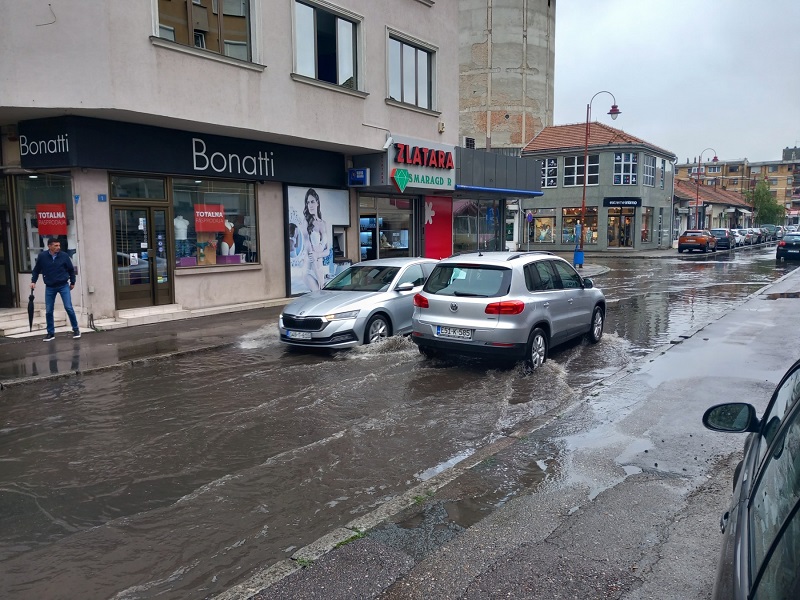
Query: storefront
[
  {"x": 156, "y": 216},
  {"x": 405, "y": 204}
]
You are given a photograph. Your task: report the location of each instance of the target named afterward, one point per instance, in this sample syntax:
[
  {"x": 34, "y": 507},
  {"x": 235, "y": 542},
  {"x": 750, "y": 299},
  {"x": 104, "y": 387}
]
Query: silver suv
[{"x": 505, "y": 305}]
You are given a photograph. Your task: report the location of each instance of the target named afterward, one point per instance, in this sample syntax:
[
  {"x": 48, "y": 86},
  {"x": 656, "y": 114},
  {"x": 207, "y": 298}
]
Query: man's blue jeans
[{"x": 50, "y": 294}]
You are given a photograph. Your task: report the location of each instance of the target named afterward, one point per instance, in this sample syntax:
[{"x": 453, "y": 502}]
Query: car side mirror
[
  {"x": 406, "y": 286},
  {"x": 733, "y": 417},
  {"x": 588, "y": 283}
]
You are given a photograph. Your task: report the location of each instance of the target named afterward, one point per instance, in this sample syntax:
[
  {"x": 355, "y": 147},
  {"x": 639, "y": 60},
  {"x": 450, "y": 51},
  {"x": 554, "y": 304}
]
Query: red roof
[
  {"x": 688, "y": 190},
  {"x": 562, "y": 137}
]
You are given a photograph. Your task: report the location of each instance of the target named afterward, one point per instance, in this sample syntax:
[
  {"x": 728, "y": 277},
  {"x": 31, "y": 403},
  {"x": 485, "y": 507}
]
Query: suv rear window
[
  {"x": 719, "y": 232},
  {"x": 480, "y": 281}
]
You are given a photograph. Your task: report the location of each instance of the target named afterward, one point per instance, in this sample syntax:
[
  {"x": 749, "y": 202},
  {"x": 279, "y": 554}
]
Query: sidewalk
[{"x": 634, "y": 515}]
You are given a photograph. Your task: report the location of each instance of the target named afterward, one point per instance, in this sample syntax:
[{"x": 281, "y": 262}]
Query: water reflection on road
[{"x": 179, "y": 478}]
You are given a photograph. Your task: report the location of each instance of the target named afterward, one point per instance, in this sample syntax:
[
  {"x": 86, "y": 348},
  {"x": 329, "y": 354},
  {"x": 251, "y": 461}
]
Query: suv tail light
[
  {"x": 781, "y": 243},
  {"x": 507, "y": 307},
  {"x": 420, "y": 301}
]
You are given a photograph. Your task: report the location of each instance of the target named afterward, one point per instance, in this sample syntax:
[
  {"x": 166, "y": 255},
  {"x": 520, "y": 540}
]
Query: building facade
[
  {"x": 195, "y": 153},
  {"x": 699, "y": 206},
  {"x": 629, "y": 189},
  {"x": 506, "y": 55}
]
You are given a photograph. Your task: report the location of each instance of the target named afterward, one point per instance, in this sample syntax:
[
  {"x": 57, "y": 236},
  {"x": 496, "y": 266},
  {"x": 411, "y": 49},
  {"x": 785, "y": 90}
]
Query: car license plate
[
  {"x": 299, "y": 335},
  {"x": 793, "y": 251},
  {"x": 456, "y": 333}
]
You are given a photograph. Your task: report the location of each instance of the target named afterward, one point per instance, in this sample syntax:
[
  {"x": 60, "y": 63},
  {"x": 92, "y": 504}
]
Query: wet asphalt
[{"x": 637, "y": 519}]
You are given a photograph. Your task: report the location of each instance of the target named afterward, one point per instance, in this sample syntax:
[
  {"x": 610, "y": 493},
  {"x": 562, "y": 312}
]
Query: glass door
[
  {"x": 6, "y": 285},
  {"x": 142, "y": 266}
]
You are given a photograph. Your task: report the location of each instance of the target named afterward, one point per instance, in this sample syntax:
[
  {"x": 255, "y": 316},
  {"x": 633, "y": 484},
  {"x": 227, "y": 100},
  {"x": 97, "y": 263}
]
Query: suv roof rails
[{"x": 527, "y": 253}]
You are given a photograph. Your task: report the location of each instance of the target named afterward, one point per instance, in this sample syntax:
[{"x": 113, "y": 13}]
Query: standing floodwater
[{"x": 178, "y": 478}]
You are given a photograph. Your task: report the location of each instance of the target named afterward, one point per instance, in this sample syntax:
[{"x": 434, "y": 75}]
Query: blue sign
[
  {"x": 358, "y": 177},
  {"x": 102, "y": 198},
  {"x": 77, "y": 198}
]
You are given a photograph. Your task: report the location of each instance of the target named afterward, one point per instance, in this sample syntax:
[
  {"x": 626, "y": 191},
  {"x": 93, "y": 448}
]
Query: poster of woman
[{"x": 312, "y": 213}]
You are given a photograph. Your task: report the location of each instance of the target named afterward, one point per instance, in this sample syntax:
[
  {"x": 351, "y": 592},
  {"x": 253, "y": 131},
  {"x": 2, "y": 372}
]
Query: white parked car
[{"x": 738, "y": 237}]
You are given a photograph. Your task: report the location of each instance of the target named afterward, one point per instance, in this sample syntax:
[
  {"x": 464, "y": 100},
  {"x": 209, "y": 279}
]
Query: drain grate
[{"x": 783, "y": 295}]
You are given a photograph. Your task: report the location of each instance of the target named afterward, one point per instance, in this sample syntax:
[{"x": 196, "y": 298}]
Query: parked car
[
  {"x": 697, "y": 239},
  {"x": 505, "y": 305},
  {"x": 791, "y": 228},
  {"x": 725, "y": 239},
  {"x": 779, "y": 231},
  {"x": 767, "y": 234},
  {"x": 738, "y": 237},
  {"x": 789, "y": 247},
  {"x": 758, "y": 235},
  {"x": 770, "y": 229},
  {"x": 749, "y": 237},
  {"x": 760, "y": 555},
  {"x": 363, "y": 304}
]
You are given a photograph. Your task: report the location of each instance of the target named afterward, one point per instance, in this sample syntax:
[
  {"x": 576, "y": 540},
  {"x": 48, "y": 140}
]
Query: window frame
[
  {"x": 432, "y": 52},
  {"x": 649, "y": 170},
  {"x": 579, "y": 170},
  {"x": 549, "y": 163},
  {"x": 628, "y": 164},
  {"x": 338, "y": 13}
]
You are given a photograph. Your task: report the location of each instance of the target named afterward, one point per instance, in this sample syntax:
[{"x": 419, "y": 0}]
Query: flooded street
[{"x": 179, "y": 478}]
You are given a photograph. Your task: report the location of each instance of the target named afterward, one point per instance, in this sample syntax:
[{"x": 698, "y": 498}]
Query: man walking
[{"x": 59, "y": 278}]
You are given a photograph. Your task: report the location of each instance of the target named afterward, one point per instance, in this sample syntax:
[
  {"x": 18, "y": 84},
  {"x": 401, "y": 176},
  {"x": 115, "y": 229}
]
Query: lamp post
[
  {"x": 697, "y": 195},
  {"x": 614, "y": 112}
]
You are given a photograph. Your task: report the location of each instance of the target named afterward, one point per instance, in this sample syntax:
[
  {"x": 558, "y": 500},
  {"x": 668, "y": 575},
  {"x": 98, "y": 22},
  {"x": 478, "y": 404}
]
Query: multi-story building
[
  {"x": 731, "y": 175},
  {"x": 506, "y": 64},
  {"x": 628, "y": 190},
  {"x": 195, "y": 153}
]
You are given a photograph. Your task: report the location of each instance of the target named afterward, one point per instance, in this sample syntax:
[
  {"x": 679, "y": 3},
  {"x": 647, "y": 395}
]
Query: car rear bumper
[
  {"x": 483, "y": 349},
  {"x": 787, "y": 255}
]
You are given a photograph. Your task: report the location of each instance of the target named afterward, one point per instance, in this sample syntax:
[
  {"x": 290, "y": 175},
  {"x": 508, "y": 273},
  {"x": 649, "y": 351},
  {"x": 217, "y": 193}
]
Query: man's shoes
[
  {"x": 76, "y": 334},
  {"x": 49, "y": 337}
]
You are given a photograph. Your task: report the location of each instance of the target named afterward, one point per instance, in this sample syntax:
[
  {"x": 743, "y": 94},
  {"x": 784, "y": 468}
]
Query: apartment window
[
  {"x": 649, "y": 170},
  {"x": 696, "y": 169},
  {"x": 663, "y": 172},
  {"x": 733, "y": 169},
  {"x": 773, "y": 181},
  {"x": 549, "y": 172},
  {"x": 626, "y": 167},
  {"x": 714, "y": 169},
  {"x": 773, "y": 168},
  {"x": 735, "y": 181},
  {"x": 326, "y": 46},
  {"x": 410, "y": 71},
  {"x": 200, "y": 24},
  {"x": 573, "y": 170}
]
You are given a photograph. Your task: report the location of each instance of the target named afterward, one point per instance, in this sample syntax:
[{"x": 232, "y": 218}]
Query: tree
[{"x": 765, "y": 207}]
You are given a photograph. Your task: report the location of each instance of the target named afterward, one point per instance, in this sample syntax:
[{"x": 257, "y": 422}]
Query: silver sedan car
[{"x": 365, "y": 303}]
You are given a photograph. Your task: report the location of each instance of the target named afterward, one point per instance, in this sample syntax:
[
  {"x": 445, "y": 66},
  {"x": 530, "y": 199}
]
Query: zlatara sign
[{"x": 423, "y": 157}]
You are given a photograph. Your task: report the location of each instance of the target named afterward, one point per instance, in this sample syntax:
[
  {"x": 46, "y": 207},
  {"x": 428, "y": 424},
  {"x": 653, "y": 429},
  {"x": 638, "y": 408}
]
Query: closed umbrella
[{"x": 30, "y": 312}]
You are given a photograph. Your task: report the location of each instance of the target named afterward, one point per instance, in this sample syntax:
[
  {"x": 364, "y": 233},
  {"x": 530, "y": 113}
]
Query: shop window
[
  {"x": 200, "y": 24},
  {"x": 647, "y": 223},
  {"x": 541, "y": 226},
  {"x": 138, "y": 188},
  {"x": 573, "y": 170},
  {"x": 626, "y": 168},
  {"x": 570, "y": 217},
  {"x": 215, "y": 222},
  {"x": 410, "y": 73},
  {"x": 44, "y": 210},
  {"x": 326, "y": 45},
  {"x": 477, "y": 226},
  {"x": 549, "y": 172}
]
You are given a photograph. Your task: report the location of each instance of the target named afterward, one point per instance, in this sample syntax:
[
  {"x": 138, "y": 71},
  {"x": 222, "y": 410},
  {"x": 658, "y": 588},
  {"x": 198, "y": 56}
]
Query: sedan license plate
[
  {"x": 299, "y": 335},
  {"x": 793, "y": 251},
  {"x": 456, "y": 333}
]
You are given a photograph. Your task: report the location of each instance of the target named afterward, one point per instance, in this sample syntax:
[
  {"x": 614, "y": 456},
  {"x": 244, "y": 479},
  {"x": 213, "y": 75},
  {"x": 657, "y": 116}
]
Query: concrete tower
[{"x": 506, "y": 61}]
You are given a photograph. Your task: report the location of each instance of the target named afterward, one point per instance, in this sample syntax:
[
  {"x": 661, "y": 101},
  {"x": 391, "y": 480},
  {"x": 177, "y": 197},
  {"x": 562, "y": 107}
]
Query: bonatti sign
[{"x": 67, "y": 142}]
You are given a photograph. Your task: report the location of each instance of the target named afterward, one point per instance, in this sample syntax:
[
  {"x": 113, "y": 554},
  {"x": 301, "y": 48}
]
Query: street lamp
[
  {"x": 697, "y": 196},
  {"x": 614, "y": 112}
]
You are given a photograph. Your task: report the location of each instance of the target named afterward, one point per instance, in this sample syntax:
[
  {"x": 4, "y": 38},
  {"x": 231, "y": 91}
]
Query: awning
[
  {"x": 730, "y": 210},
  {"x": 744, "y": 211},
  {"x": 683, "y": 211}
]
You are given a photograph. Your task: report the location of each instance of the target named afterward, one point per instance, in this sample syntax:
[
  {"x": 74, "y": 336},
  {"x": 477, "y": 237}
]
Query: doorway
[
  {"x": 385, "y": 227},
  {"x": 7, "y": 299},
  {"x": 142, "y": 269}
]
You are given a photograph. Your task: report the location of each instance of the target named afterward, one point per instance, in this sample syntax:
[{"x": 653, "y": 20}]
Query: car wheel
[
  {"x": 680, "y": 250},
  {"x": 537, "y": 349},
  {"x": 596, "y": 332},
  {"x": 714, "y": 249},
  {"x": 378, "y": 329},
  {"x": 705, "y": 248}
]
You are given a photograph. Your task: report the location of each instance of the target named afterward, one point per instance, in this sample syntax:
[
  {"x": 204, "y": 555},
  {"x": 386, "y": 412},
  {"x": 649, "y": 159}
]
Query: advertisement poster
[
  {"x": 312, "y": 214},
  {"x": 51, "y": 219}
]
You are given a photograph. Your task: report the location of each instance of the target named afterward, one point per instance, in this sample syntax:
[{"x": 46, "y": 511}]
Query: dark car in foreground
[
  {"x": 760, "y": 555},
  {"x": 789, "y": 247},
  {"x": 507, "y": 306}
]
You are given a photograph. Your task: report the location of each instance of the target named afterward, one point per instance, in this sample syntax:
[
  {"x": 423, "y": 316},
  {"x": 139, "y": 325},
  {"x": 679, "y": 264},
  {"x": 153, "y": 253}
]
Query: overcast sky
[{"x": 687, "y": 74}]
